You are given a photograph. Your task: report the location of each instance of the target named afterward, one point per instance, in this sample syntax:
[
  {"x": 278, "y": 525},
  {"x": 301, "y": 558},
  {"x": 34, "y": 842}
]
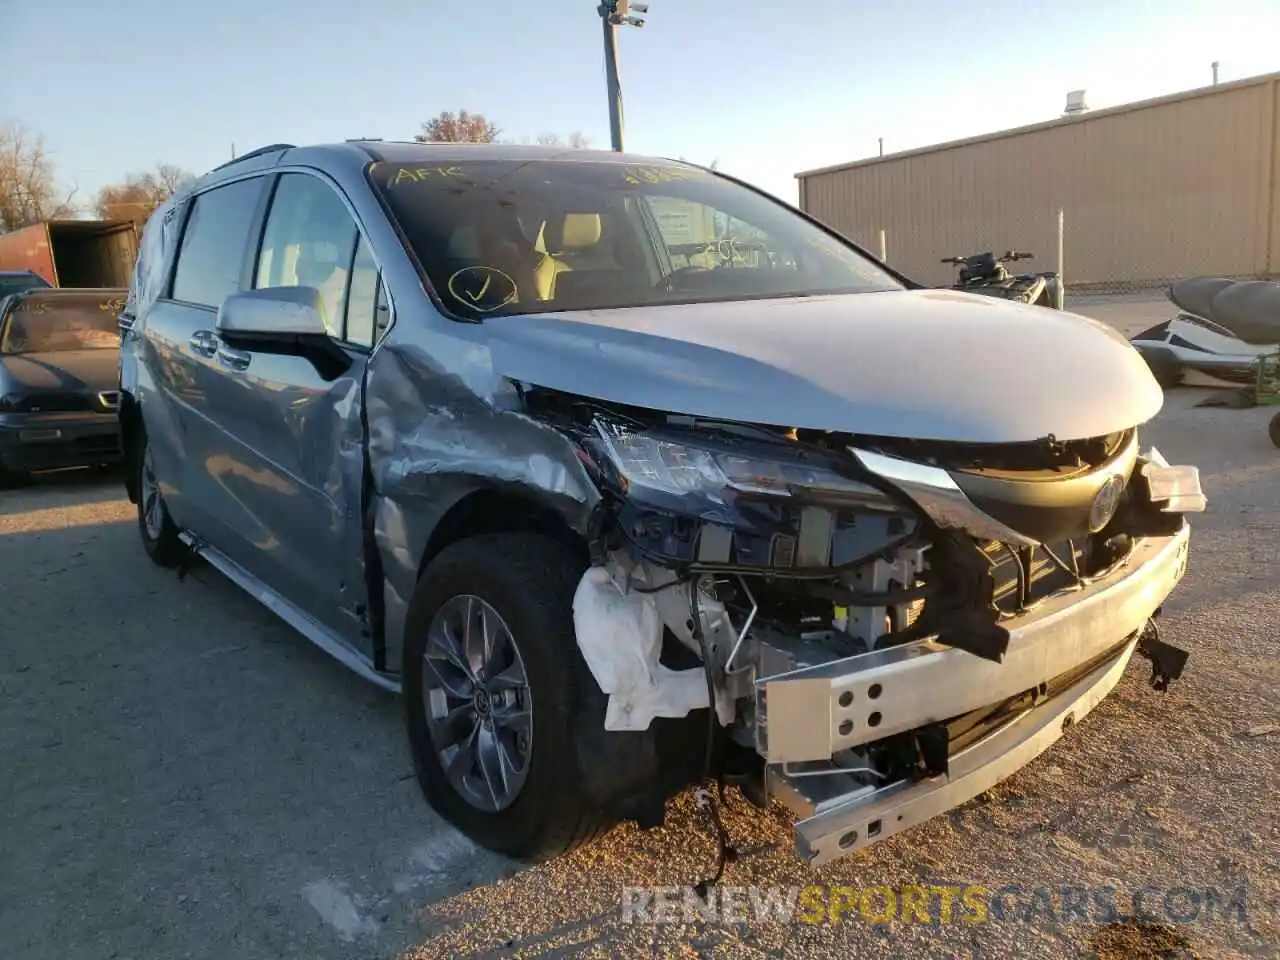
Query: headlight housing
[
  {"x": 739, "y": 502},
  {"x": 656, "y": 463}
]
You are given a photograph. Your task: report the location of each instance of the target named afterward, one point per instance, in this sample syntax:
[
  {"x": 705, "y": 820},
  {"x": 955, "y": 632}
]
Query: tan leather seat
[{"x": 578, "y": 231}]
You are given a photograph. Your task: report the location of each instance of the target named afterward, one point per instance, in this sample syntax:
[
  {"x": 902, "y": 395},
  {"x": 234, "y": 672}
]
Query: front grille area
[
  {"x": 1024, "y": 577},
  {"x": 1037, "y": 460},
  {"x": 55, "y": 402}
]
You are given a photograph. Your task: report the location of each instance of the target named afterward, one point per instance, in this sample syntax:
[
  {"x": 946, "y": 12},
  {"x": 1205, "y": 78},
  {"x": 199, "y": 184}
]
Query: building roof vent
[{"x": 1075, "y": 103}]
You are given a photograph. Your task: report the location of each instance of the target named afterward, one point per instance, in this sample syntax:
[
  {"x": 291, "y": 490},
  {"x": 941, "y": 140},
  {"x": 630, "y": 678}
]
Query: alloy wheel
[
  {"x": 477, "y": 700},
  {"x": 152, "y": 508}
]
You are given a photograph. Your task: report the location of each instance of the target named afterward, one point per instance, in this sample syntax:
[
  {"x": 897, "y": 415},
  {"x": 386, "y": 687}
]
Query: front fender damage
[{"x": 433, "y": 439}]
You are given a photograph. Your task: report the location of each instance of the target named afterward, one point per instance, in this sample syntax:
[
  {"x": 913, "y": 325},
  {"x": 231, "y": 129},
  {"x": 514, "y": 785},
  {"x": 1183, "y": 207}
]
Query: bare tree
[
  {"x": 28, "y": 193},
  {"x": 463, "y": 128},
  {"x": 139, "y": 194}
]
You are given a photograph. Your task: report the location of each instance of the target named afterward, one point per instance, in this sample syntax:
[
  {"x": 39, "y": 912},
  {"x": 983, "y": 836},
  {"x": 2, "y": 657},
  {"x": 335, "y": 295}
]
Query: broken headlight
[
  {"x": 720, "y": 498},
  {"x": 670, "y": 465}
]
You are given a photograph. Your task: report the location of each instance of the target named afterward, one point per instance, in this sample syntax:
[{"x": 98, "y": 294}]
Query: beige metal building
[{"x": 1151, "y": 191}]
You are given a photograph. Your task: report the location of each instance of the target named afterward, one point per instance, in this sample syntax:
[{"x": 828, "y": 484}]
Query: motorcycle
[
  {"x": 1222, "y": 330},
  {"x": 986, "y": 274}
]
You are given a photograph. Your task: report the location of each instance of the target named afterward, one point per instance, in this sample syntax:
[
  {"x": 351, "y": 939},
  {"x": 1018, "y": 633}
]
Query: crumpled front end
[{"x": 886, "y": 628}]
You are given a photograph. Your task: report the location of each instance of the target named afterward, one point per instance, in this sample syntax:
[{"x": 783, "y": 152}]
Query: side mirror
[
  {"x": 286, "y": 321},
  {"x": 272, "y": 314}
]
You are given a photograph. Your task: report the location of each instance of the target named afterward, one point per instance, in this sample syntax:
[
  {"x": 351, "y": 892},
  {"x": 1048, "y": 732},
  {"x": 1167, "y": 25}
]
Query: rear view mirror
[{"x": 287, "y": 321}]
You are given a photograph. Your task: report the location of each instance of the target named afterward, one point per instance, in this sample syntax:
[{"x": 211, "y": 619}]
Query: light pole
[{"x": 614, "y": 14}]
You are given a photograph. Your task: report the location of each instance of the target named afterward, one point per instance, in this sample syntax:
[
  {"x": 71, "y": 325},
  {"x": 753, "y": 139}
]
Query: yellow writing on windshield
[
  {"x": 482, "y": 288},
  {"x": 639, "y": 175},
  {"x": 112, "y": 306},
  {"x": 418, "y": 174}
]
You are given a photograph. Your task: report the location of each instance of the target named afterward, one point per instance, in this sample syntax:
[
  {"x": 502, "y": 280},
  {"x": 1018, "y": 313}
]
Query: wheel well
[{"x": 493, "y": 511}]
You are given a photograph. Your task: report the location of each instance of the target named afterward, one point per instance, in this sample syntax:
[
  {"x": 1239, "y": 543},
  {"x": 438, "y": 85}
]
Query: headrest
[{"x": 580, "y": 230}]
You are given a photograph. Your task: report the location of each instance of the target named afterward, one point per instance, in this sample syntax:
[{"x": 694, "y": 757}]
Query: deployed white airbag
[{"x": 620, "y": 636}]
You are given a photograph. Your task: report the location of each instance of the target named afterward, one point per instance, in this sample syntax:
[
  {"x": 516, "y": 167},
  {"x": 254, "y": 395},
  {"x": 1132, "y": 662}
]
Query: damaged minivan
[{"x": 628, "y": 475}]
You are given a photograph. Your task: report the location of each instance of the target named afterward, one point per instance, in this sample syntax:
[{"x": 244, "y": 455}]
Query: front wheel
[
  {"x": 494, "y": 688},
  {"x": 159, "y": 534},
  {"x": 1273, "y": 429}
]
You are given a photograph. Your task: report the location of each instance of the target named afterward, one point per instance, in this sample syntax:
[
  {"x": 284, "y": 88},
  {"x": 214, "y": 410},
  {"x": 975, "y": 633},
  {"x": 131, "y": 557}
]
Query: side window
[
  {"x": 310, "y": 241},
  {"x": 213, "y": 243}
]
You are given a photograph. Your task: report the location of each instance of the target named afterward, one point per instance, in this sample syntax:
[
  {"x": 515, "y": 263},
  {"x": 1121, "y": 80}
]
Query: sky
[{"x": 767, "y": 90}]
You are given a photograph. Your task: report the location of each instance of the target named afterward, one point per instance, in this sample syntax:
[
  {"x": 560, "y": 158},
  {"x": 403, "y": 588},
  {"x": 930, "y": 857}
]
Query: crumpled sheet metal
[
  {"x": 435, "y": 437},
  {"x": 331, "y": 460}
]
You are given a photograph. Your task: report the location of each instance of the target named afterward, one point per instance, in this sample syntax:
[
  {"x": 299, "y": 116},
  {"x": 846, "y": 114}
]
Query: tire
[
  {"x": 1273, "y": 428},
  {"x": 529, "y": 581},
  {"x": 159, "y": 539}
]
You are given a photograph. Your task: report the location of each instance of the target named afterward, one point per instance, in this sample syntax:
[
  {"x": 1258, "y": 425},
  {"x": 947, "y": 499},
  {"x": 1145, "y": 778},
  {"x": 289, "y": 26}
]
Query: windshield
[
  {"x": 505, "y": 236},
  {"x": 48, "y": 325}
]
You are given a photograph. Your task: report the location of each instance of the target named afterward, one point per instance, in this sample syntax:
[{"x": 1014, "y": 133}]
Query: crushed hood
[
  {"x": 69, "y": 370},
  {"x": 924, "y": 364}
]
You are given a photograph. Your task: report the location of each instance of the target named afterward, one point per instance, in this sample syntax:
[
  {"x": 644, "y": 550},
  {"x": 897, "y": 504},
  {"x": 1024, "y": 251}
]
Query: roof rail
[{"x": 270, "y": 148}]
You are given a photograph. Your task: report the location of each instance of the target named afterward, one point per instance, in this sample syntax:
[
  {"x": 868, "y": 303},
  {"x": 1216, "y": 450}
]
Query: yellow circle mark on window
[{"x": 482, "y": 289}]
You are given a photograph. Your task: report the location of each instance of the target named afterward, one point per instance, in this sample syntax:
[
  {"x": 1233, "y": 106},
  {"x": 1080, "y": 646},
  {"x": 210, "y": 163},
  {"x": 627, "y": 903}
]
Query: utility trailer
[{"x": 73, "y": 253}]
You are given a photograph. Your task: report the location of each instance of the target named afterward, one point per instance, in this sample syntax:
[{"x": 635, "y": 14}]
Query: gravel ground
[{"x": 182, "y": 776}]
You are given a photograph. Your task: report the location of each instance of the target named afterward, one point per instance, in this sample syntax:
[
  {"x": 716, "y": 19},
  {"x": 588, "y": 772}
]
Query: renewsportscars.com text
[{"x": 934, "y": 904}]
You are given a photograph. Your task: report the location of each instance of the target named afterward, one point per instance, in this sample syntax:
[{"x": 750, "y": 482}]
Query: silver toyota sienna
[{"x": 628, "y": 476}]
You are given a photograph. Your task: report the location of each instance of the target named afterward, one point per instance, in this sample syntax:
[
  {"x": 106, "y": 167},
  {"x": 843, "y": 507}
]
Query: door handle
[
  {"x": 204, "y": 342},
  {"x": 230, "y": 357}
]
